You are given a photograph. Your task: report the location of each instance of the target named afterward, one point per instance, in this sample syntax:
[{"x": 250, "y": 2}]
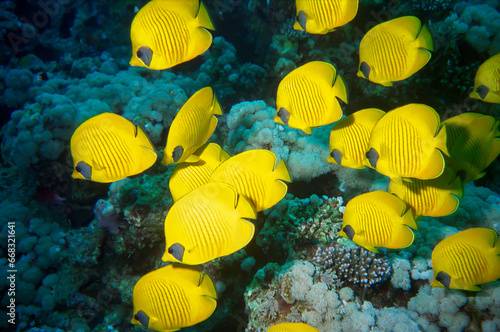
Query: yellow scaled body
[
  {"x": 436, "y": 198},
  {"x": 307, "y": 96},
  {"x": 208, "y": 223},
  {"x": 474, "y": 144},
  {"x": 378, "y": 219},
  {"x": 394, "y": 50},
  {"x": 467, "y": 259},
  {"x": 192, "y": 127},
  {"x": 108, "y": 148},
  {"x": 292, "y": 327},
  {"x": 349, "y": 138},
  {"x": 256, "y": 176},
  {"x": 165, "y": 33},
  {"x": 408, "y": 142},
  {"x": 487, "y": 81},
  {"x": 320, "y": 17},
  {"x": 186, "y": 177},
  {"x": 173, "y": 297}
]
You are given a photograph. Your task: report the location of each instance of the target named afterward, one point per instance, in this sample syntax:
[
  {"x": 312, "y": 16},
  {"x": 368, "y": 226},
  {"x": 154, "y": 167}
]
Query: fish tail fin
[
  {"x": 495, "y": 144},
  {"x": 409, "y": 220},
  {"x": 441, "y": 140},
  {"x": 425, "y": 39},
  {"x": 207, "y": 286},
  {"x": 339, "y": 89},
  {"x": 281, "y": 172},
  {"x": 203, "y": 18},
  {"x": 245, "y": 208},
  {"x": 216, "y": 106}
]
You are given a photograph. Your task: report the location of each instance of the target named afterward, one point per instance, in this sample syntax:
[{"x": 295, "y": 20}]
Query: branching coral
[{"x": 355, "y": 264}]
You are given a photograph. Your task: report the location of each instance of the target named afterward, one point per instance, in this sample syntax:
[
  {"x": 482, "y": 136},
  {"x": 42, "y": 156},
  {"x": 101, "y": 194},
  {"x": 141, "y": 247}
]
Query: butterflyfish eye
[
  {"x": 482, "y": 91},
  {"x": 365, "y": 69},
  {"x": 336, "y": 155},
  {"x": 177, "y": 250},
  {"x": 284, "y": 115},
  {"x": 444, "y": 278},
  {"x": 302, "y": 19},
  {"x": 177, "y": 154},
  {"x": 372, "y": 156},
  {"x": 145, "y": 54},
  {"x": 349, "y": 231},
  {"x": 142, "y": 317},
  {"x": 84, "y": 169}
]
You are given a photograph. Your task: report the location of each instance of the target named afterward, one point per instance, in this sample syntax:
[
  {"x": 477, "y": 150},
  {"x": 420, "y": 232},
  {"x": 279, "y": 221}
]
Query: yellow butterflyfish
[
  {"x": 173, "y": 297},
  {"x": 320, "y": 17},
  {"x": 292, "y": 327},
  {"x": 192, "y": 127},
  {"x": 256, "y": 176},
  {"x": 208, "y": 223},
  {"x": 487, "y": 81},
  {"x": 378, "y": 219},
  {"x": 436, "y": 197},
  {"x": 307, "y": 96},
  {"x": 165, "y": 33},
  {"x": 186, "y": 177},
  {"x": 467, "y": 259},
  {"x": 349, "y": 138},
  {"x": 108, "y": 148},
  {"x": 408, "y": 142},
  {"x": 394, "y": 50},
  {"x": 475, "y": 148}
]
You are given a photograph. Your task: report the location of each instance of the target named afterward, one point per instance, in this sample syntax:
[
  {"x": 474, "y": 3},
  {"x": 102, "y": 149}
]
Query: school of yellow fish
[{"x": 427, "y": 160}]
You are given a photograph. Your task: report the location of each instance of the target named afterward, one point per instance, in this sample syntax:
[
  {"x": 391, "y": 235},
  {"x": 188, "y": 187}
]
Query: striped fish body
[
  {"x": 467, "y": 259},
  {"x": 108, "y": 148},
  {"x": 208, "y": 223},
  {"x": 320, "y": 17},
  {"x": 476, "y": 147},
  {"x": 255, "y": 175},
  {"x": 455, "y": 127},
  {"x": 349, "y": 138},
  {"x": 165, "y": 33},
  {"x": 436, "y": 198},
  {"x": 394, "y": 50},
  {"x": 408, "y": 142},
  {"x": 487, "y": 81},
  {"x": 173, "y": 297},
  {"x": 192, "y": 127},
  {"x": 307, "y": 96},
  {"x": 292, "y": 327},
  {"x": 186, "y": 177},
  {"x": 378, "y": 219}
]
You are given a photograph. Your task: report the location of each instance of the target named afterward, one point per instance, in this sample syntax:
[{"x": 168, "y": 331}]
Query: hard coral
[{"x": 355, "y": 264}]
